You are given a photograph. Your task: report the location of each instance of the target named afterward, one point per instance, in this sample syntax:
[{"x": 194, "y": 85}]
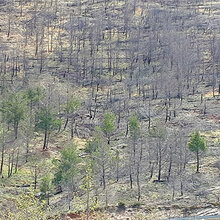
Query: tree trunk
[
  {"x": 48, "y": 198},
  {"x": 95, "y": 110},
  {"x": 138, "y": 182},
  {"x": 27, "y": 151},
  {"x": 159, "y": 164},
  {"x": 127, "y": 126},
  {"x": 134, "y": 150},
  {"x": 119, "y": 114},
  {"x": 66, "y": 123},
  {"x": 103, "y": 175},
  {"x": 117, "y": 166},
  {"x": 181, "y": 188},
  {"x": 16, "y": 164},
  {"x": 2, "y": 158},
  {"x": 106, "y": 198},
  {"x": 152, "y": 170},
  {"x": 35, "y": 177},
  {"x": 173, "y": 194},
  {"x": 197, "y": 167},
  {"x": 45, "y": 140},
  {"x": 87, "y": 203},
  {"x": 9, "y": 164},
  {"x": 130, "y": 176},
  {"x": 12, "y": 163},
  {"x": 48, "y": 138},
  {"x": 149, "y": 115},
  {"x": 16, "y": 129},
  {"x": 170, "y": 168},
  {"x": 72, "y": 130}
]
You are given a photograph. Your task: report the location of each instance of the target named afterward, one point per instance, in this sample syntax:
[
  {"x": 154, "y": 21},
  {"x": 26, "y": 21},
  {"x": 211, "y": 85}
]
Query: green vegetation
[
  {"x": 13, "y": 109},
  {"x": 33, "y": 96},
  {"x": 27, "y": 206},
  {"x": 47, "y": 123},
  {"x": 197, "y": 144},
  {"x": 46, "y": 187},
  {"x": 109, "y": 125},
  {"x": 98, "y": 101},
  {"x": 67, "y": 166},
  {"x": 73, "y": 104},
  {"x": 134, "y": 127}
]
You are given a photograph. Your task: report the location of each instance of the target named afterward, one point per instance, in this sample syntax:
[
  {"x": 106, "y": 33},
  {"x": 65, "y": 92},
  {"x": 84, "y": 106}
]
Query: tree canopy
[
  {"x": 197, "y": 144},
  {"x": 13, "y": 109}
]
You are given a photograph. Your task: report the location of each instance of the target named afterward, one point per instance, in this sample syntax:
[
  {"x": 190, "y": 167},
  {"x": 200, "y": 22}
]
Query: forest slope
[{"x": 125, "y": 81}]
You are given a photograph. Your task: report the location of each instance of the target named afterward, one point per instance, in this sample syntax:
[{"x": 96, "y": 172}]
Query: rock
[{"x": 38, "y": 195}]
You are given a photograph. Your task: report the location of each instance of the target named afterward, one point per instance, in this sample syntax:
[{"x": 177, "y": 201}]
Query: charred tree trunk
[{"x": 45, "y": 140}]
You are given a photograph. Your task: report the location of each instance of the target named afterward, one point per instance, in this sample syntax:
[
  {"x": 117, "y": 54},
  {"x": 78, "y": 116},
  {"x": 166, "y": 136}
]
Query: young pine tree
[
  {"x": 14, "y": 109},
  {"x": 197, "y": 144},
  {"x": 47, "y": 123},
  {"x": 46, "y": 187},
  {"x": 109, "y": 125},
  {"x": 68, "y": 171}
]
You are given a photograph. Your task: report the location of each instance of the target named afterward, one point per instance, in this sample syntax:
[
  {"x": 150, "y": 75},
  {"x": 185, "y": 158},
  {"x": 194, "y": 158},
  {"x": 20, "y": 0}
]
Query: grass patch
[
  {"x": 212, "y": 136},
  {"x": 80, "y": 143}
]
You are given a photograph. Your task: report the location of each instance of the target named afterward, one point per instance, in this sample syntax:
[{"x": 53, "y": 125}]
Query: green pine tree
[
  {"x": 197, "y": 144},
  {"x": 47, "y": 123},
  {"x": 14, "y": 108},
  {"x": 109, "y": 125}
]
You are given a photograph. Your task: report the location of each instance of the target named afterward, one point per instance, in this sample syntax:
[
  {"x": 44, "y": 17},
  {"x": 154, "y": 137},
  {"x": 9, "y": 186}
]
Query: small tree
[
  {"x": 33, "y": 96},
  {"x": 109, "y": 125},
  {"x": 197, "y": 144},
  {"x": 101, "y": 157},
  {"x": 68, "y": 170},
  {"x": 47, "y": 123},
  {"x": 14, "y": 108},
  {"x": 73, "y": 104},
  {"x": 92, "y": 145},
  {"x": 134, "y": 127},
  {"x": 159, "y": 133},
  {"x": 87, "y": 185},
  {"x": 46, "y": 187},
  {"x": 2, "y": 144}
]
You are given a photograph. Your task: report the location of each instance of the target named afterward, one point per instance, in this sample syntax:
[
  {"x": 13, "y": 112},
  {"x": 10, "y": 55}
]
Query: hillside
[{"x": 100, "y": 102}]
